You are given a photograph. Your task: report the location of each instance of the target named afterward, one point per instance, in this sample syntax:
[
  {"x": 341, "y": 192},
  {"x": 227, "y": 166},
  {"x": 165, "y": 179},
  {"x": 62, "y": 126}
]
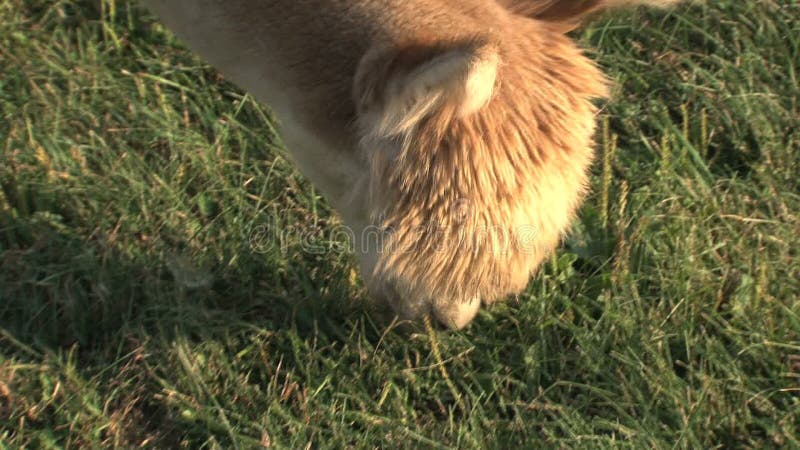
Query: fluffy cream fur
[{"x": 460, "y": 132}]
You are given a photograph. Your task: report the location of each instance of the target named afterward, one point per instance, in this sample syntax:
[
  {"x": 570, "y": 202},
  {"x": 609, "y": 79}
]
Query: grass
[{"x": 145, "y": 300}]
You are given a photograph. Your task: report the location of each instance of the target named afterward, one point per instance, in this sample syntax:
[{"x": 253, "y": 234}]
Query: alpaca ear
[
  {"x": 567, "y": 15},
  {"x": 395, "y": 88},
  {"x": 553, "y": 10}
]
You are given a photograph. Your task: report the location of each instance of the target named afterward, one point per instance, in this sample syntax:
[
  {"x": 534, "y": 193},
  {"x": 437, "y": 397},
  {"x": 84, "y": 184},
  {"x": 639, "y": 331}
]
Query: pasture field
[{"x": 148, "y": 300}]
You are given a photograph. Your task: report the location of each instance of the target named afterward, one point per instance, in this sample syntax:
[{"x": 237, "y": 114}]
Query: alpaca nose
[
  {"x": 456, "y": 315},
  {"x": 453, "y": 314}
]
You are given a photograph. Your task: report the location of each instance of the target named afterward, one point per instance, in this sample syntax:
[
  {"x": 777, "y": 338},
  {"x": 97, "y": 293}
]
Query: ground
[{"x": 168, "y": 280}]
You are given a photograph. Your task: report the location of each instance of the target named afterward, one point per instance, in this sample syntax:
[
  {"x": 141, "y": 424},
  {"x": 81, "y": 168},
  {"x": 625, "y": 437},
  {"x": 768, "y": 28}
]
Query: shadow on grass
[
  {"x": 57, "y": 291},
  {"x": 76, "y": 306}
]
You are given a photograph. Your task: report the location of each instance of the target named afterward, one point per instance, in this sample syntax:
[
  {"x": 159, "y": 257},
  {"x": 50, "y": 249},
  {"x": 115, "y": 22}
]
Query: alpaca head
[{"x": 479, "y": 150}]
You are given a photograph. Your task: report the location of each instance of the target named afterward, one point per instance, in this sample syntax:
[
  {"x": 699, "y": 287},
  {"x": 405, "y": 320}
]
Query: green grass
[{"x": 135, "y": 309}]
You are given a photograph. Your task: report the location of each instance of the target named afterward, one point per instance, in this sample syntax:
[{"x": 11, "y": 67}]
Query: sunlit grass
[{"x": 142, "y": 303}]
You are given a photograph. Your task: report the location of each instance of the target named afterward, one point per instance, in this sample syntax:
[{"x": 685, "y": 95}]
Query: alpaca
[{"x": 460, "y": 132}]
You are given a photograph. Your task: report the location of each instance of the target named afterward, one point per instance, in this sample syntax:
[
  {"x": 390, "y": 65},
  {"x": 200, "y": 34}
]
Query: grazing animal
[{"x": 457, "y": 132}]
